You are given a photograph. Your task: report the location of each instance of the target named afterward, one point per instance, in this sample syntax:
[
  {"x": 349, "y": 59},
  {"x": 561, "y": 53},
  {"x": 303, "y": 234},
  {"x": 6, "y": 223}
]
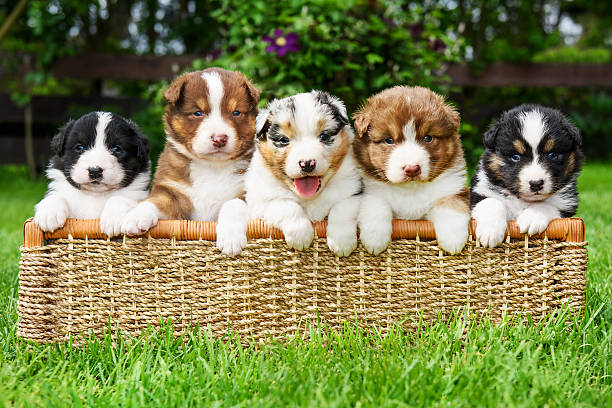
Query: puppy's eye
[
  {"x": 554, "y": 156},
  {"x": 427, "y": 138},
  {"x": 281, "y": 142},
  {"x": 515, "y": 158},
  {"x": 79, "y": 148},
  {"x": 116, "y": 149},
  {"x": 198, "y": 113},
  {"x": 389, "y": 140},
  {"x": 325, "y": 138},
  {"x": 236, "y": 113}
]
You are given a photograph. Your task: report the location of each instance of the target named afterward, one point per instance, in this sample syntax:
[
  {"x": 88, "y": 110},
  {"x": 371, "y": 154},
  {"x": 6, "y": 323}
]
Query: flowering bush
[{"x": 351, "y": 48}]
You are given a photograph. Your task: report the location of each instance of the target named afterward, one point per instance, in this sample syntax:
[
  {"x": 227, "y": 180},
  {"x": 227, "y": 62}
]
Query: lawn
[{"x": 455, "y": 364}]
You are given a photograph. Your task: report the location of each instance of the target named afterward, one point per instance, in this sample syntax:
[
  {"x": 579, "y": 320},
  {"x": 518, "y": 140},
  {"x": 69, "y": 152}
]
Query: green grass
[{"x": 462, "y": 363}]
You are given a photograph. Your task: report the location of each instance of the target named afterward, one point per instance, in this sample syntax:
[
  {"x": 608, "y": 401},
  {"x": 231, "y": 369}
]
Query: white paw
[
  {"x": 299, "y": 234},
  {"x": 231, "y": 237},
  {"x": 51, "y": 213},
  {"x": 491, "y": 231},
  {"x": 532, "y": 221},
  {"x": 140, "y": 219},
  {"x": 375, "y": 239},
  {"x": 341, "y": 241},
  {"x": 452, "y": 236},
  {"x": 114, "y": 212}
]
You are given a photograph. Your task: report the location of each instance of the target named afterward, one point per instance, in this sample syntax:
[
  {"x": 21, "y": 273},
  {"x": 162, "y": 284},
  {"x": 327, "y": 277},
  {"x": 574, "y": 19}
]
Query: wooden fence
[{"x": 49, "y": 112}]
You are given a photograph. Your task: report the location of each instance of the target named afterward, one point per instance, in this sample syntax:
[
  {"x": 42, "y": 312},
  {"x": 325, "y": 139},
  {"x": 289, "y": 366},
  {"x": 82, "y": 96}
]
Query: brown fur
[
  {"x": 519, "y": 146},
  {"x": 459, "y": 202},
  {"x": 187, "y": 94},
  {"x": 275, "y": 159},
  {"x": 550, "y": 144},
  {"x": 385, "y": 114}
]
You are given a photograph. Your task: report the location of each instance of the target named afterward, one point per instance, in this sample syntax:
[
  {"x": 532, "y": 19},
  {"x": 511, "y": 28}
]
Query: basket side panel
[{"x": 39, "y": 294}]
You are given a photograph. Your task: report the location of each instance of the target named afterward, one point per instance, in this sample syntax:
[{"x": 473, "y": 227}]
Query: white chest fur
[
  {"x": 413, "y": 200},
  {"x": 212, "y": 184},
  {"x": 89, "y": 205}
]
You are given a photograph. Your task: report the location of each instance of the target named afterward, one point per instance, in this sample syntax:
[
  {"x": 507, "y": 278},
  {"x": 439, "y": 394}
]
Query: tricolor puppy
[
  {"x": 409, "y": 149},
  {"x": 527, "y": 172},
  {"x": 209, "y": 123},
  {"x": 303, "y": 170},
  {"x": 100, "y": 169}
]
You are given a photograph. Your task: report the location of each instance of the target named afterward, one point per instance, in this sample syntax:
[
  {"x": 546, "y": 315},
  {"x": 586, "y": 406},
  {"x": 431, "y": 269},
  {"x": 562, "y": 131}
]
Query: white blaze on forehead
[
  {"x": 214, "y": 123},
  {"x": 307, "y": 113},
  {"x": 104, "y": 119},
  {"x": 408, "y": 153},
  {"x": 215, "y": 89},
  {"x": 533, "y": 127},
  {"x": 409, "y": 131}
]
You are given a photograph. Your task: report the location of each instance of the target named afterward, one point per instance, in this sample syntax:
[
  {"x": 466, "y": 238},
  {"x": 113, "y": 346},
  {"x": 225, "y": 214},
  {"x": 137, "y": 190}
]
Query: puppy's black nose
[
  {"x": 95, "y": 173},
  {"x": 308, "y": 165},
  {"x": 536, "y": 185}
]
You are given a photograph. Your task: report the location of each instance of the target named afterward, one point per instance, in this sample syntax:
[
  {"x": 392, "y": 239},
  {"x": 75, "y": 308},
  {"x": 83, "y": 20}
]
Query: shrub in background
[{"x": 350, "y": 48}]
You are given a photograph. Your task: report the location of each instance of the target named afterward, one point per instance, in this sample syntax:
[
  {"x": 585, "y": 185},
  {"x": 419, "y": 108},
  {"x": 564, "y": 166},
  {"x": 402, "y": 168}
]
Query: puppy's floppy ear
[
  {"x": 142, "y": 143},
  {"x": 262, "y": 124},
  {"x": 173, "y": 92},
  {"x": 362, "y": 123},
  {"x": 452, "y": 115},
  {"x": 491, "y": 135},
  {"x": 58, "y": 143},
  {"x": 252, "y": 91},
  {"x": 335, "y": 104},
  {"x": 574, "y": 133}
]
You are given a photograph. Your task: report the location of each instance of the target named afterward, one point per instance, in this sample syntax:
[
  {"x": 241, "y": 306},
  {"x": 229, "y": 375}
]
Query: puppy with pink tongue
[{"x": 303, "y": 170}]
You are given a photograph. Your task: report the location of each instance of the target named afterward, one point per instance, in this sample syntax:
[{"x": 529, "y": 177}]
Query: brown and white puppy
[
  {"x": 409, "y": 149},
  {"x": 209, "y": 123},
  {"x": 304, "y": 170}
]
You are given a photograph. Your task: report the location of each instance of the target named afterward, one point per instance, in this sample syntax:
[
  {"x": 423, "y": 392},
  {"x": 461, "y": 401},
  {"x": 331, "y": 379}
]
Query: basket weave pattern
[{"x": 78, "y": 284}]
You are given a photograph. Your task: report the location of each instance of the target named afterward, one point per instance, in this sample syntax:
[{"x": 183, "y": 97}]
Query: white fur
[
  {"x": 410, "y": 201},
  {"x": 533, "y": 127},
  {"x": 502, "y": 206},
  {"x": 273, "y": 201},
  {"x": 408, "y": 153},
  {"x": 532, "y": 172},
  {"x": 231, "y": 227},
  {"x": 490, "y": 216},
  {"x": 98, "y": 156},
  {"x": 65, "y": 201},
  {"x": 214, "y": 123},
  {"x": 140, "y": 219},
  {"x": 212, "y": 184},
  {"x": 451, "y": 228}
]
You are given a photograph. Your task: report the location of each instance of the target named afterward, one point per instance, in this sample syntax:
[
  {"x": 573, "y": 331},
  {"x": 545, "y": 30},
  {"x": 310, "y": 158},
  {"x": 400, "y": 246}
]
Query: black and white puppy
[
  {"x": 100, "y": 169},
  {"x": 527, "y": 172}
]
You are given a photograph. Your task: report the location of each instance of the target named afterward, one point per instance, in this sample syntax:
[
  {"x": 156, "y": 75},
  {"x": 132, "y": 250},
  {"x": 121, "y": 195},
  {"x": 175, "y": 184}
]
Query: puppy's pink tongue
[{"x": 307, "y": 186}]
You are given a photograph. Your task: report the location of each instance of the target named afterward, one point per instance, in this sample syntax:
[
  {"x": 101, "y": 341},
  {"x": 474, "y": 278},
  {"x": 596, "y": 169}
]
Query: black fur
[
  {"x": 502, "y": 172},
  {"x": 132, "y": 155}
]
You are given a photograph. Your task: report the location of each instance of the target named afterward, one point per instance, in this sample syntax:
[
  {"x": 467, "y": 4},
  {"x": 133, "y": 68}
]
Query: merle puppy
[
  {"x": 527, "y": 172},
  {"x": 100, "y": 169}
]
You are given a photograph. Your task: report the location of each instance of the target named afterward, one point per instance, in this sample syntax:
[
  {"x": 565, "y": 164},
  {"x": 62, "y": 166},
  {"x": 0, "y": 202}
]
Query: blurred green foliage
[{"x": 351, "y": 48}]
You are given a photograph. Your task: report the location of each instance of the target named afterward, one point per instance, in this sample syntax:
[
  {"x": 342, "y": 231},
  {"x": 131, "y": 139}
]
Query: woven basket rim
[{"x": 561, "y": 229}]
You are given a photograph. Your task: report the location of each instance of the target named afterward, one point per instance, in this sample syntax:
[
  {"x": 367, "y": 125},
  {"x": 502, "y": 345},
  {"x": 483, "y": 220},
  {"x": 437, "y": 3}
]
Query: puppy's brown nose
[
  {"x": 536, "y": 185},
  {"x": 308, "y": 166},
  {"x": 219, "y": 140},
  {"x": 412, "y": 171}
]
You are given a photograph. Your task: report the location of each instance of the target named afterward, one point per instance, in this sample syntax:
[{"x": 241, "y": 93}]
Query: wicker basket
[{"x": 75, "y": 281}]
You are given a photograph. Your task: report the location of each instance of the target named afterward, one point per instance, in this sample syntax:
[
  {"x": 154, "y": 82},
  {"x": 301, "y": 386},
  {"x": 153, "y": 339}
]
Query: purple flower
[
  {"x": 282, "y": 44},
  {"x": 437, "y": 45},
  {"x": 416, "y": 30}
]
